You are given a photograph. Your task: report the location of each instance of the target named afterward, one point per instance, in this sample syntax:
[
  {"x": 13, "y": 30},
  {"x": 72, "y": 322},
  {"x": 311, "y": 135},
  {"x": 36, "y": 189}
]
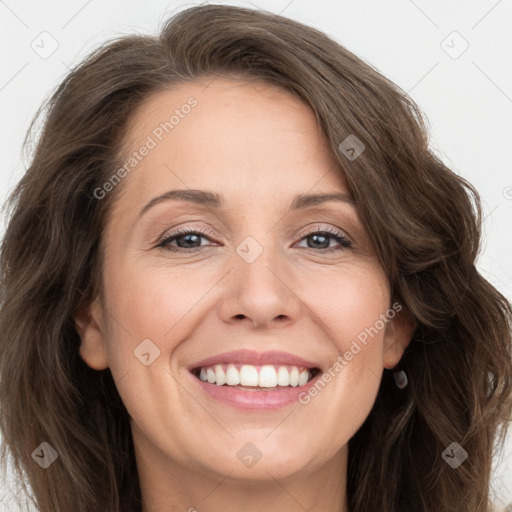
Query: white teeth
[
  {"x": 210, "y": 375},
  {"x": 268, "y": 376},
  {"x": 303, "y": 377},
  {"x": 294, "y": 376},
  {"x": 232, "y": 375},
  {"x": 220, "y": 376},
  {"x": 248, "y": 375},
  {"x": 283, "y": 377}
]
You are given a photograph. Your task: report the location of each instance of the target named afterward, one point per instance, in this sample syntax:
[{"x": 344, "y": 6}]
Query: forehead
[{"x": 231, "y": 136}]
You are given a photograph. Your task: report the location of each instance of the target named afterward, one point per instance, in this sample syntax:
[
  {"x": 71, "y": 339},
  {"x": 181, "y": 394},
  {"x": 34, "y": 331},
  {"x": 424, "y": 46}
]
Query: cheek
[
  {"x": 153, "y": 300},
  {"x": 351, "y": 307},
  {"x": 350, "y": 303},
  {"x": 156, "y": 304}
]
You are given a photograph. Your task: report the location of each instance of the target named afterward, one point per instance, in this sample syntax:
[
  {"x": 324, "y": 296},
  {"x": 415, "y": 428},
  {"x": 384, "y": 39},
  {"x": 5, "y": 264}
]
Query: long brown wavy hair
[{"x": 423, "y": 219}]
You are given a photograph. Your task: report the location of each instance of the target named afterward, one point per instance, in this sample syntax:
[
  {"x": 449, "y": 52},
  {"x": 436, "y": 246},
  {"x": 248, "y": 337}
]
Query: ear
[
  {"x": 90, "y": 327},
  {"x": 397, "y": 336}
]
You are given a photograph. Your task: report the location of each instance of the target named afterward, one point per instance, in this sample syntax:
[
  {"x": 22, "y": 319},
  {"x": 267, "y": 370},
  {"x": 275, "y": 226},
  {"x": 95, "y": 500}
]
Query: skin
[{"x": 259, "y": 147}]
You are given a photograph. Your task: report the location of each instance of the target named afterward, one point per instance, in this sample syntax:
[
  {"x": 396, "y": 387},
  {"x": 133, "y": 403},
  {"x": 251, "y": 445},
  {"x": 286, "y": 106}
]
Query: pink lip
[
  {"x": 255, "y": 400},
  {"x": 246, "y": 356}
]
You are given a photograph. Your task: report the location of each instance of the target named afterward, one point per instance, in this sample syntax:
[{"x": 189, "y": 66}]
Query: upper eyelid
[{"x": 319, "y": 226}]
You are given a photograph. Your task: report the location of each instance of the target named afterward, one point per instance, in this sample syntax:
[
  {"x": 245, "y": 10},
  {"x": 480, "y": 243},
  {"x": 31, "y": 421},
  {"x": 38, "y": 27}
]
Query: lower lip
[{"x": 255, "y": 400}]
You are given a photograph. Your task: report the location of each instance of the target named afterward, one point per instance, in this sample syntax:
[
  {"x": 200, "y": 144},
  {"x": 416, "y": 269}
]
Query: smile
[
  {"x": 250, "y": 380},
  {"x": 248, "y": 376}
]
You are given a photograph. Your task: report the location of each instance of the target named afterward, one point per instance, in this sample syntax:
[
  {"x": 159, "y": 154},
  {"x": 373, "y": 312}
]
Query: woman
[{"x": 235, "y": 277}]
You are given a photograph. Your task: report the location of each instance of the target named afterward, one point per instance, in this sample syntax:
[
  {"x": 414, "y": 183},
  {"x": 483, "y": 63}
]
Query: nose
[{"x": 261, "y": 293}]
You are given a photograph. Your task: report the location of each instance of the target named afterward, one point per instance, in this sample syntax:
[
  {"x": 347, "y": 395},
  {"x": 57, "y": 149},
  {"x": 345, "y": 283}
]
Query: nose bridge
[{"x": 253, "y": 264}]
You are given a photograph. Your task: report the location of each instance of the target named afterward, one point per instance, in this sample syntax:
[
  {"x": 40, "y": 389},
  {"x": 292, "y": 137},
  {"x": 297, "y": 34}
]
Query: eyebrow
[{"x": 214, "y": 200}]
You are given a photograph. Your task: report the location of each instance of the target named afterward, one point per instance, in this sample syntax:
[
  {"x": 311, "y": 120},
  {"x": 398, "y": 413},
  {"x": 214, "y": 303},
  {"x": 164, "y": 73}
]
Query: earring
[{"x": 400, "y": 379}]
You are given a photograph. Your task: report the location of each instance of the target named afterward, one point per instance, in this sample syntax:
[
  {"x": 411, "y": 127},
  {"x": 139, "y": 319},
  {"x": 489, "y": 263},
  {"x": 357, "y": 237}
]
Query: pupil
[
  {"x": 187, "y": 239},
  {"x": 321, "y": 237}
]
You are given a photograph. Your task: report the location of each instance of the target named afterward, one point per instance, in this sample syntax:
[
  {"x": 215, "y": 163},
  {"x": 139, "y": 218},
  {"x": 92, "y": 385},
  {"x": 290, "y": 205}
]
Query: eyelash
[{"x": 343, "y": 241}]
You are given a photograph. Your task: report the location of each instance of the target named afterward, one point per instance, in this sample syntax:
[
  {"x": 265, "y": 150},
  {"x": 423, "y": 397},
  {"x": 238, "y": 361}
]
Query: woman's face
[{"x": 257, "y": 283}]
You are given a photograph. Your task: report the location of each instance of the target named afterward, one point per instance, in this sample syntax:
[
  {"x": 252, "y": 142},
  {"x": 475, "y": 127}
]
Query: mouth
[
  {"x": 248, "y": 377},
  {"x": 249, "y": 380}
]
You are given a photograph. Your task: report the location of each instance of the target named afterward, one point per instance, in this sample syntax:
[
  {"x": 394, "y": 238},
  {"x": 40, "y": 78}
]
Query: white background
[{"x": 467, "y": 99}]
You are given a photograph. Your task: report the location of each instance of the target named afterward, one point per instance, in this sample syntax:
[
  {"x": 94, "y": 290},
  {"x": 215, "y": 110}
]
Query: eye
[
  {"x": 189, "y": 240},
  {"x": 322, "y": 240},
  {"x": 185, "y": 239}
]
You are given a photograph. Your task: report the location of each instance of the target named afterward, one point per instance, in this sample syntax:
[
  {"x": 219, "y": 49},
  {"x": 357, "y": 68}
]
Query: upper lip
[{"x": 247, "y": 356}]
